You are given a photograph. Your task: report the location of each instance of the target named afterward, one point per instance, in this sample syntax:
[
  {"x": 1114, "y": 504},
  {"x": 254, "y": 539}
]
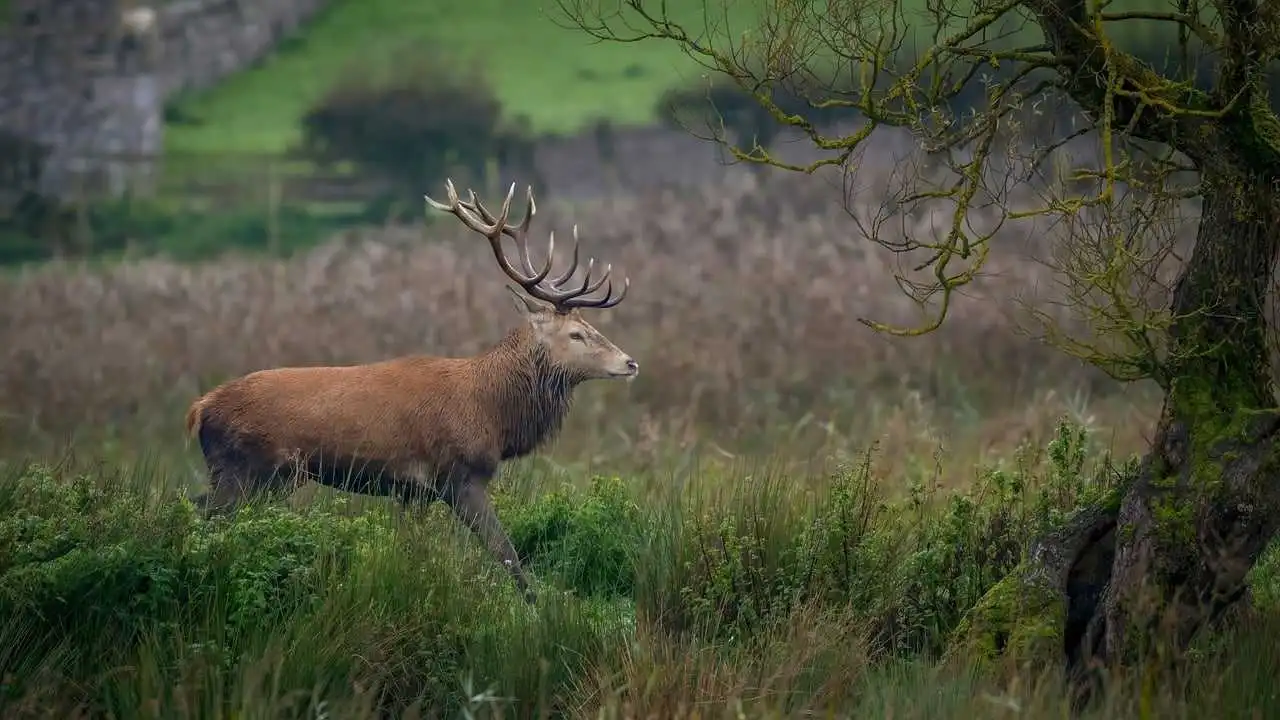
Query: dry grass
[{"x": 743, "y": 313}]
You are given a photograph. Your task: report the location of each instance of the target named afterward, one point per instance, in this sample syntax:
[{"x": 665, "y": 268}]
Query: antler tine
[
  {"x": 575, "y": 297},
  {"x": 479, "y": 219},
  {"x": 603, "y": 279},
  {"x": 559, "y": 282},
  {"x": 519, "y": 232},
  {"x": 456, "y": 209},
  {"x": 588, "y": 287},
  {"x": 603, "y": 303},
  {"x": 523, "y": 230}
]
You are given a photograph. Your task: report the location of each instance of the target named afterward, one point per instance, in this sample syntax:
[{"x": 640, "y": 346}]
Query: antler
[{"x": 478, "y": 218}]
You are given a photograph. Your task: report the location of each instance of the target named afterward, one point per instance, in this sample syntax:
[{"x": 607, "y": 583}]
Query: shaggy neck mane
[{"x": 528, "y": 394}]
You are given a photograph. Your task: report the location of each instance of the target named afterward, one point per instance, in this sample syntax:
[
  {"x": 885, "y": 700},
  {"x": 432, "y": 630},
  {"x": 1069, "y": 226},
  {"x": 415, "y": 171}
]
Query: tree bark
[
  {"x": 1207, "y": 501},
  {"x": 1144, "y": 574}
]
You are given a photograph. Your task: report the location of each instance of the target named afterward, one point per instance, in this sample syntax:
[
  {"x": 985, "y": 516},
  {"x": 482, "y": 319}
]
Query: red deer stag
[{"x": 419, "y": 428}]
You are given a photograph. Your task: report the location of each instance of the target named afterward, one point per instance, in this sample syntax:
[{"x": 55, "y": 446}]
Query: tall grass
[
  {"x": 741, "y": 591},
  {"x": 744, "y": 313}
]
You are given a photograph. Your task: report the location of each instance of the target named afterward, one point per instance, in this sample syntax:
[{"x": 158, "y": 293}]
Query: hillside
[
  {"x": 556, "y": 76},
  {"x": 542, "y": 68}
]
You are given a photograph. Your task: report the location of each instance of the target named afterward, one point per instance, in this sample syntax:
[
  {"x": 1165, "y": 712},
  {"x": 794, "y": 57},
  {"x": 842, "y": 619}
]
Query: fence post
[
  {"x": 273, "y": 208},
  {"x": 83, "y": 231},
  {"x": 492, "y": 176}
]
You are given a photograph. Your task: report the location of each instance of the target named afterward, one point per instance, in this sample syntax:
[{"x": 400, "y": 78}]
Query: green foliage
[
  {"x": 127, "y": 576},
  {"x": 914, "y": 569},
  {"x": 140, "y": 228},
  {"x": 76, "y": 552},
  {"x": 82, "y": 553},
  {"x": 413, "y": 122},
  {"x": 100, "y": 565},
  {"x": 1264, "y": 579},
  {"x": 587, "y": 543},
  {"x": 303, "y": 610}
]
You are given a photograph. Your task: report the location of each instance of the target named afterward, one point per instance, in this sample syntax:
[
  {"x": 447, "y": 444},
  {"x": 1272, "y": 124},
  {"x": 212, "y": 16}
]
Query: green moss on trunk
[
  {"x": 1041, "y": 608},
  {"x": 1023, "y": 616}
]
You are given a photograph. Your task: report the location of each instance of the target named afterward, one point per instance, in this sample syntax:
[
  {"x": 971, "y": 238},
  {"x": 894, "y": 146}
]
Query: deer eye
[{"x": 575, "y": 335}]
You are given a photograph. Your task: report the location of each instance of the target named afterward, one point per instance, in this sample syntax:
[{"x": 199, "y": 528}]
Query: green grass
[
  {"x": 747, "y": 591},
  {"x": 558, "y": 77}
]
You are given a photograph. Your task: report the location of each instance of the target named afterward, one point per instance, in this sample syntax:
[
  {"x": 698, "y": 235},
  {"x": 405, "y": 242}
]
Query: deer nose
[{"x": 633, "y": 366}]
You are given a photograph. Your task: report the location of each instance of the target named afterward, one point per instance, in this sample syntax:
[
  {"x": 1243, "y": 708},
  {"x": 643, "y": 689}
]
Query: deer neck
[{"x": 527, "y": 395}]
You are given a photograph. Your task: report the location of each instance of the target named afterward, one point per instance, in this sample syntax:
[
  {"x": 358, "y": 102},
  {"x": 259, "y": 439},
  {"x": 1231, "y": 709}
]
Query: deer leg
[
  {"x": 226, "y": 491},
  {"x": 236, "y": 475},
  {"x": 468, "y": 501},
  {"x": 231, "y": 484}
]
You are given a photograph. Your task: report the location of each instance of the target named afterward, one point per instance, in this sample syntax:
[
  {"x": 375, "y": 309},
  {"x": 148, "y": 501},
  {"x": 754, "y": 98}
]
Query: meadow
[
  {"x": 520, "y": 49},
  {"x": 529, "y": 52},
  {"x": 784, "y": 515}
]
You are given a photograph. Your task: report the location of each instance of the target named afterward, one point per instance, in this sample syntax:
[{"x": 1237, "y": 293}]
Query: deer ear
[{"x": 527, "y": 306}]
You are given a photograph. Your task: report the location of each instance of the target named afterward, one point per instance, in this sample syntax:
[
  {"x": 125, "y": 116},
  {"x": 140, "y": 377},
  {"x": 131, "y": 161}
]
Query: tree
[
  {"x": 414, "y": 120},
  {"x": 1173, "y": 547}
]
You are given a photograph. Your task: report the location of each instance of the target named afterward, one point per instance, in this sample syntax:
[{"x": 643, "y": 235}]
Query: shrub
[
  {"x": 140, "y": 228},
  {"x": 912, "y": 570},
  {"x": 414, "y": 121},
  {"x": 94, "y": 563},
  {"x": 588, "y": 543}
]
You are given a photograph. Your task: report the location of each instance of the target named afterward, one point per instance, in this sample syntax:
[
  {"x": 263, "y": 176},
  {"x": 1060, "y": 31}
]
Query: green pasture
[{"x": 557, "y": 76}]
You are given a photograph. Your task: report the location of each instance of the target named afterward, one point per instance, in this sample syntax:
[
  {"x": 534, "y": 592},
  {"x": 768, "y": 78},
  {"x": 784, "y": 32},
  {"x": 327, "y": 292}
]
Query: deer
[{"x": 420, "y": 428}]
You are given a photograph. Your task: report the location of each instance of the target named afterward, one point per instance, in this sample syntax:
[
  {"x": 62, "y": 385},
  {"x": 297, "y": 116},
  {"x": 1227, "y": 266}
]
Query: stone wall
[
  {"x": 203, "y": 41},
  {"x": 88, "y": 79}
]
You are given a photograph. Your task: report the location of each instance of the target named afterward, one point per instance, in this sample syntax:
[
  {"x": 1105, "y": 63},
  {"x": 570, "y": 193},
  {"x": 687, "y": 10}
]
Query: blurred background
[
  {"x": 194, "y": 127},
  {"x": 259, "y": 167}
]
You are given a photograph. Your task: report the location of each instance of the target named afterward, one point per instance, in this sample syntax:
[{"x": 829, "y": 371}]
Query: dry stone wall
[{"x": 88, "y": 79}]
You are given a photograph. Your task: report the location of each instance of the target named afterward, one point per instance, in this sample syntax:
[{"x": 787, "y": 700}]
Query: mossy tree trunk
[
  {"x": 1148, "y": 572},
  {"x": 1145, "y": 573},
  {"x": 1207, "y": 499}
]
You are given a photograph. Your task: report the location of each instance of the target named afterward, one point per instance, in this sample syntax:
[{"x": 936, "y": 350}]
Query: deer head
[{"x": 552, "y": 306}]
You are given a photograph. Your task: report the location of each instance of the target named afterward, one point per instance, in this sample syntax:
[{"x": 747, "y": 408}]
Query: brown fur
[
  {"x": 193, "y": 416},
  {"x": 417, "y": 428}
]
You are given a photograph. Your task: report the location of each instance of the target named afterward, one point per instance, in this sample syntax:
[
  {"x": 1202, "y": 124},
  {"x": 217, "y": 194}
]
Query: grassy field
[
  {"x": 541, "y": 67},
  {"x": 783, "y": 515},
  {"x": 518, "y": 46}
]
